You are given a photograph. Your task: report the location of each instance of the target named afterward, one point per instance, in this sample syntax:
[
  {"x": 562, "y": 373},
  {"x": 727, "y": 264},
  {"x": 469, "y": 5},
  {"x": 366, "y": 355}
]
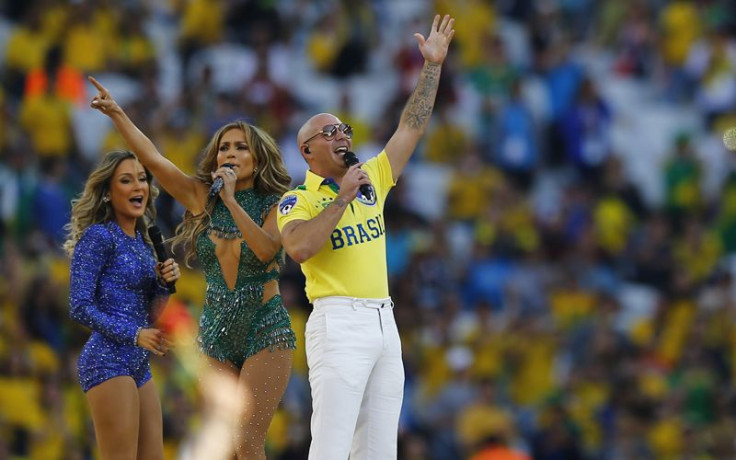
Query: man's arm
[
  {"x": 303, "y": 239},
  {"x": 294, "y": 234},
  {"x": 415, "y": 117}
]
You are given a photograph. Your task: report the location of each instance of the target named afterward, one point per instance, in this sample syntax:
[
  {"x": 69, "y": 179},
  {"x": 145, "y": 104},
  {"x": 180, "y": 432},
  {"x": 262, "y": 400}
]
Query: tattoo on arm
[
  {"x": 421, "y": 102},
  {"x": 340, "y": 203}
]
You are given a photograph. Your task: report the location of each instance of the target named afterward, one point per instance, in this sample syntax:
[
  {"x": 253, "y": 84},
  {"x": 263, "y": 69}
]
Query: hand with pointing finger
[{"x": 103, "y": 101}]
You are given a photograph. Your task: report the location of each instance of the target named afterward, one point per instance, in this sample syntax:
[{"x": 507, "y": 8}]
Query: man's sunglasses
[{"x": 330, "y": 131}]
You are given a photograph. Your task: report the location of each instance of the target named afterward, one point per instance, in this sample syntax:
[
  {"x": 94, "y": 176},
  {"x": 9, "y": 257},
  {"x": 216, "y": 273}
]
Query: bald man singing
[{"x": 333, "y": 226}]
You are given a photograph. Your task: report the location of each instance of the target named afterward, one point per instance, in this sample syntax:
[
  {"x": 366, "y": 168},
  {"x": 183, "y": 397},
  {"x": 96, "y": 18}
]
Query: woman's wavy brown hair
[
  {"x": 89, "y": 208},
  {"x": 270, "y": 178}
]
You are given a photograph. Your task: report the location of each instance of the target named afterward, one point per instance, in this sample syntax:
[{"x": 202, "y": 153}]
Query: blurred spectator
[
  {"x": 697, "y": 250},
  {"x": 439, "y": 413},
  {"x": 726, "y": 218},
  {"x": 636, "y": 40},
  {"x": 613, "y": 221},
  {"x": 202, "y": 24},
  {"x": 586, "y": 132},
  {"x": 89, "y": 36},
  {"x": 181, "y": 140},
  {"x": 56, "y": 77},
  {"x": 408, "y": 61},
  {"x": 493, "y": 76},
  {"x": 5, "y": 121},
  {"x": 680, "y": 26},
  {"x": 711, "y": 63},
  {"x": 446, "y": 140},
  {"x": 680, "y": 23},
  {"x": 25, "y": 49},
  {"x": 478, "y": 18},
  {"x": 357, "y": 38},
  {"x": 268, "y": 101},
  {"x": 324, "y": 43},
  {"x": 43, "y": 312},
  {"x": 615, "y": 182},
  {"x": 485, "y": 427},
  {"x": 18, "y": 186},
  {"x": 514, "y": 144},
  {"x": 472, "y": 186},
  {"x": 507, "y": 222},
  {"x": 651, "y": 253},
  {"x": 557, "y": 437},
  {"x": 52, "y": 202},
  {"x": 47, "y": 120},
  {"x": 682, "y": 176},
  {"x": 134, "y": 52}
]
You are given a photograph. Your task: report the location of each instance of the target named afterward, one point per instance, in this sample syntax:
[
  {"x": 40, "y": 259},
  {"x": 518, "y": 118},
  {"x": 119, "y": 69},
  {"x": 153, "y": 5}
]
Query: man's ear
[{"x": 305, "y": 149}]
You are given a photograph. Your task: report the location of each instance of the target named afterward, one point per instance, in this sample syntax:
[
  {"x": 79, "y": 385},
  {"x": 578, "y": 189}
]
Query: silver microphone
[{"x": 219, "y": 182}]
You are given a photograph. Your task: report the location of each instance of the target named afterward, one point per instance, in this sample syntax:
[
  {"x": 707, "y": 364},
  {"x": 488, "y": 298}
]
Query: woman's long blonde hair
[
  {"x": 270, "y": 178},
  {"x": 90, "y": 209}
]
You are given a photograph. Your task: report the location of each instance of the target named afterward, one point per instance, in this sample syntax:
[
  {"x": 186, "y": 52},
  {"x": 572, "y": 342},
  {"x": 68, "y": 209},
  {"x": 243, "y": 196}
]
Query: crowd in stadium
[{"x": 561, "y": 245}]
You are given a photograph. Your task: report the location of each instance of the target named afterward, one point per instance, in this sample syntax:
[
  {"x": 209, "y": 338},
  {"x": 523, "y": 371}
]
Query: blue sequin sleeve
[{"x": 92, "y": 253}]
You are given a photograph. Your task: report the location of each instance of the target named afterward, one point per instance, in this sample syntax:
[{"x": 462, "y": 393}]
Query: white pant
[{"x": 357, "y": 379}]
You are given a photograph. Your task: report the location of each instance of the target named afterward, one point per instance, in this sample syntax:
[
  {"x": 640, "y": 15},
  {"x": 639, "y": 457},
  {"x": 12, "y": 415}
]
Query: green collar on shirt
[{"x": 314, "y": 181}]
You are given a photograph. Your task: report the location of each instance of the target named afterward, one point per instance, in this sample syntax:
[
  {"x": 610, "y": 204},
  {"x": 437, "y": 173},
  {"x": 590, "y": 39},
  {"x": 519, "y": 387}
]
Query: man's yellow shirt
[{"x": 352, "y": 262}]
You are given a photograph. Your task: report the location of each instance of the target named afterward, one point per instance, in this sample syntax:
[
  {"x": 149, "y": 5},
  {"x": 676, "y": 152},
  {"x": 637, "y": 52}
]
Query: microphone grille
[{"x": 350, "y": 158}]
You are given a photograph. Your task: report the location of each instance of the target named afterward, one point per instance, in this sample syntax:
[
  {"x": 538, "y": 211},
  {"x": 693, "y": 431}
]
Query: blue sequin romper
[
  {"x": 113, "y": 290},
  {"x": 236, "y": 324}
]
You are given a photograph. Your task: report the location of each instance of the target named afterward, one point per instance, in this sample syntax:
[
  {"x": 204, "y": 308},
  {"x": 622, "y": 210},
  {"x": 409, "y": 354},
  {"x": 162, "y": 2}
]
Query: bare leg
[
  {"x": 150, "y": 427},
  {"x": 262, "y": 383},
  {"x": 114, "y": 405}
]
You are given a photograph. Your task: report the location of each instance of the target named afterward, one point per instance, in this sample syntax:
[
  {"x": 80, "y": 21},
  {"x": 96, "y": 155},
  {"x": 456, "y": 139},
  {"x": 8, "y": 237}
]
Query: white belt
[{"x": 354, "y": 302}]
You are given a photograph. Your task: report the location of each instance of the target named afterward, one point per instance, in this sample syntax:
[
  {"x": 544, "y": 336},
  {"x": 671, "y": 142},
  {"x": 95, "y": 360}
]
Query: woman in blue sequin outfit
[
  {"x": 116, "y": 289},
  {"x": 245, "y": 331}
]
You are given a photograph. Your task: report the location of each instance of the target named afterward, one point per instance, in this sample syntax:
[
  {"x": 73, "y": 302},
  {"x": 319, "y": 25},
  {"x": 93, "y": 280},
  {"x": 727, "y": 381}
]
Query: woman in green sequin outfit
[{"x": 244, "y": 329}]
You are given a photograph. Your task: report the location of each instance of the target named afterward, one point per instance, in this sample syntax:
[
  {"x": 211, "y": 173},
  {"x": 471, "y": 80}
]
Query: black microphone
[
  {"x": 219, "y": 182},
  {"x": 366, "y": 190},
  {"x": 158, "y": 245}
]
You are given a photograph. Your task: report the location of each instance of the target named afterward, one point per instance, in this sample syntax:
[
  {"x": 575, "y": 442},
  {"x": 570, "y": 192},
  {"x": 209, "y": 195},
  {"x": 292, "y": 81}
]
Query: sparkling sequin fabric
[
  {"x": 113, "y": 290},
  {"x": 237, "y": 324}
]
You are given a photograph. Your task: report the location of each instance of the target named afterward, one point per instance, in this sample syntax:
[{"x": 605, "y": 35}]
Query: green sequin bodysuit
[{"x": 236, "y": 324}]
